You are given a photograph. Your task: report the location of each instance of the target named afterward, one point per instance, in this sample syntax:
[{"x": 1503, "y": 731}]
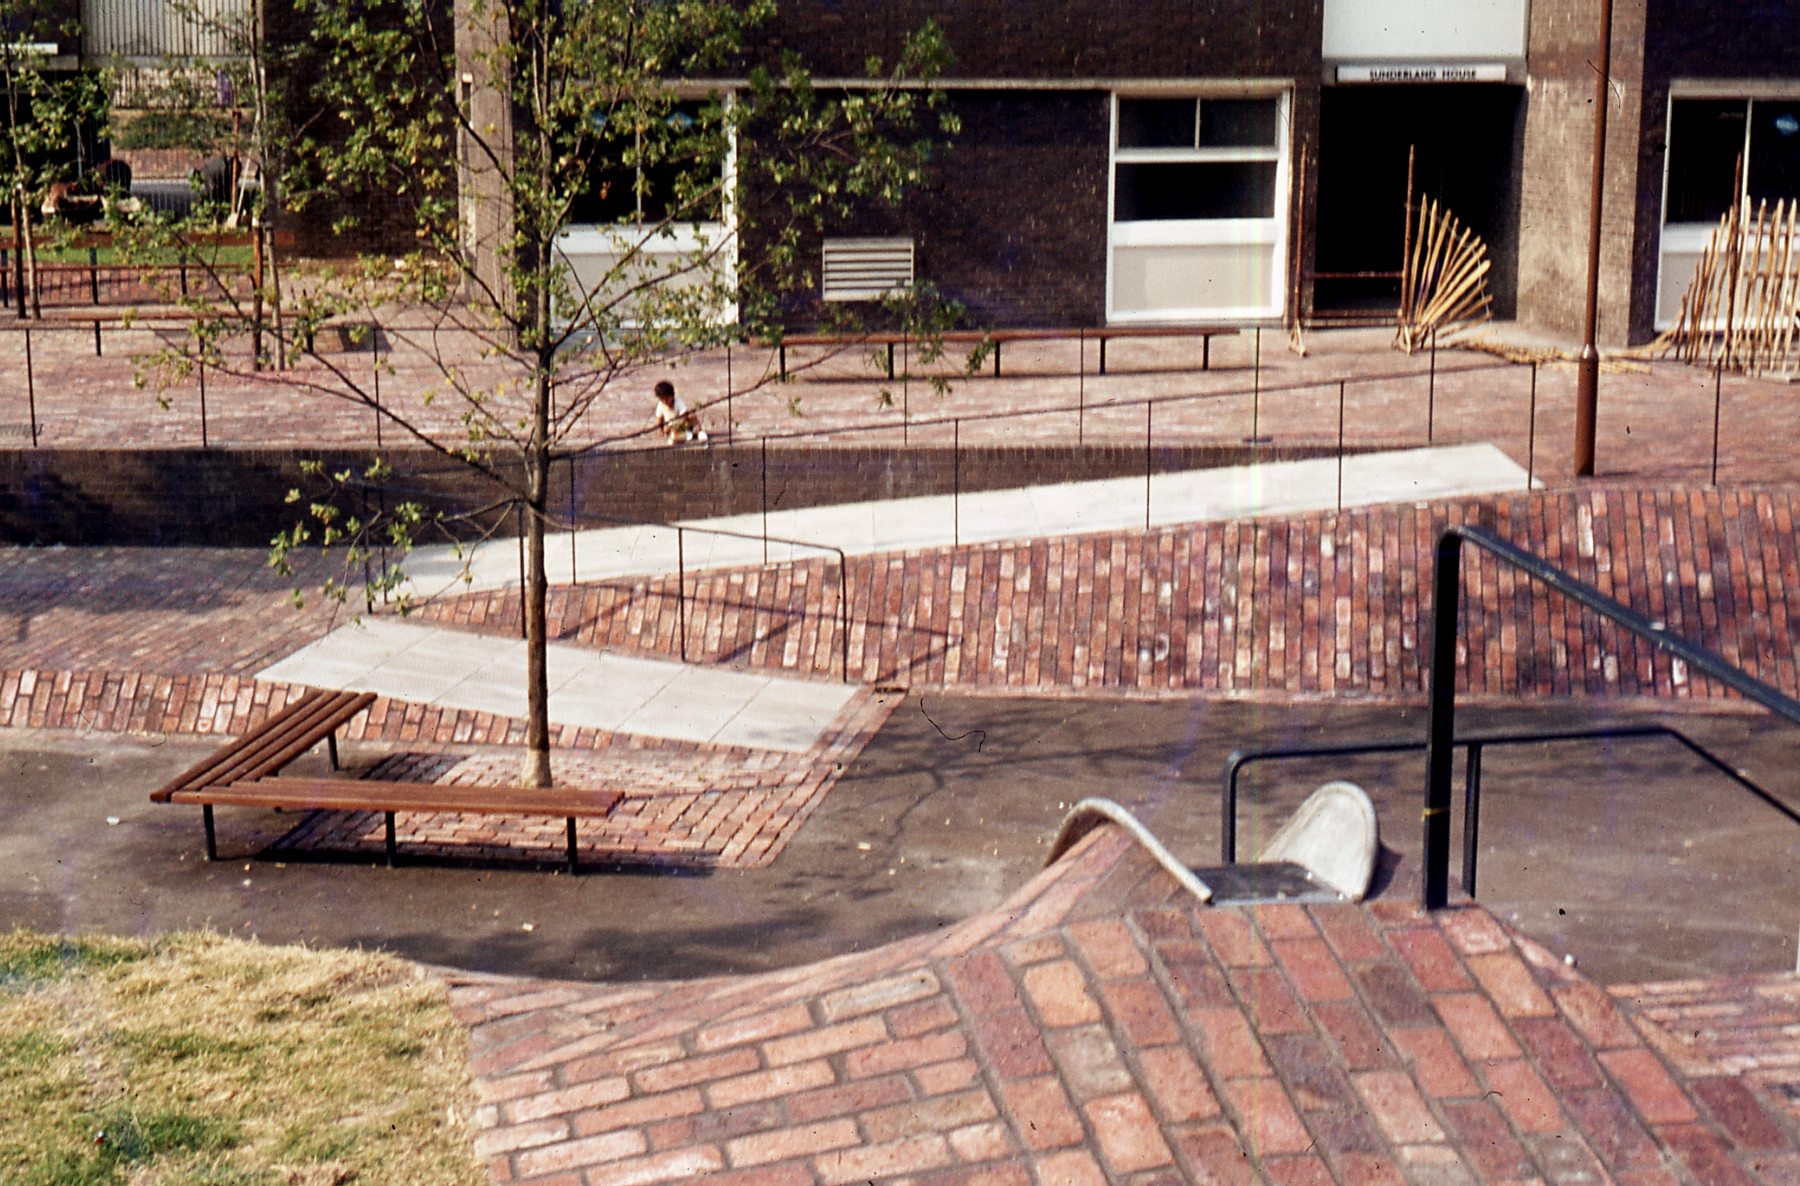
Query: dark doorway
[{"x": 1465, "y": 139}]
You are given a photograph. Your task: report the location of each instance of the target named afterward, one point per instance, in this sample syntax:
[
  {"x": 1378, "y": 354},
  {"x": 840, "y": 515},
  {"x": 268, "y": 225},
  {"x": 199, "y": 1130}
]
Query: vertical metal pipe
[
  {"x": 519, "y": 519},
  {"x": 1471, "y": 815},
  {"x": 574, "y": 524},
  {"x": 375, "y": 352},
  {"x": 956, "y": 483},
  {"x": 765, "y": 500},
  {"x": 844, "y": 614},
  {"x": 681, "y": 592},
  {"x": 730, "y": 431},
  {"x": 1080, "y": 381},
  {"x": 94, "y": 275},
  {"x": 204, "y": 442},
  {"x": 1440, "y": 721},
  {"x": 96, "y": 337},
  {"x": 1718, "y": 396},
  {"x": 1587, "y": 366},
  {"x": 31, "y": 388}
]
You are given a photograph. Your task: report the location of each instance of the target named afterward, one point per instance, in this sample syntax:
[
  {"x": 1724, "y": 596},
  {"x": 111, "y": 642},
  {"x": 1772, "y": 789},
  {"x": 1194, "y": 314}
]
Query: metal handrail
[
  {"x": 1474, "y": 744},
  {"x": 1440, "y": 713}
]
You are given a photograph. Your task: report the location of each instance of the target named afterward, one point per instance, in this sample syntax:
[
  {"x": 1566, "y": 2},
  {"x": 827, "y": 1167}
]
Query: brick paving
[
  {"x": 1311, "y": 604},
  {"x": 1101, "y": 1026},
  {"x": 1655, "y": 419}
]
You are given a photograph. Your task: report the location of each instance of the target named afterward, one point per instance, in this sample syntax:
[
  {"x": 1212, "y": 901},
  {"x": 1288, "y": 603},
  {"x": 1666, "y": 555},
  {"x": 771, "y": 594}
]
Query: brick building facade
[{"x": 1168, "y": 161}]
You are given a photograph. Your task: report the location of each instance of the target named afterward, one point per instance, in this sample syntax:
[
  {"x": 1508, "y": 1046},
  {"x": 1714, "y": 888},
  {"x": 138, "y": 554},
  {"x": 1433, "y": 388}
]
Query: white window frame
[
  {"x": 1691, "y": 238},
  {"x": 1204, "y": 232}
]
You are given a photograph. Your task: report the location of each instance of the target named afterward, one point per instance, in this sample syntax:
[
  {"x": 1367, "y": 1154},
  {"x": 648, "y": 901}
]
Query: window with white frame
[
  {"x": 1720, "y": 148},
  {"x": 1199, "y": 202}
]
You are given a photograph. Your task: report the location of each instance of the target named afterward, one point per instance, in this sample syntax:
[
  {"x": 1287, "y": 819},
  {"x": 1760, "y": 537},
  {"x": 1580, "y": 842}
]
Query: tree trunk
[
  {"x": 29, "y": 250},
  {"x": 18, "y": 211},
  {"x": 536, "y": 769}
]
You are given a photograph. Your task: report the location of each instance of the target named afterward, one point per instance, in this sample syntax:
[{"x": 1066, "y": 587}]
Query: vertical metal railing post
[
  {"x": 519, "y": 519},
  {"x": 730, "y": 431},
  {"x": 956, "y": 483},
  {"x": 1471, "y": 814},
  {"x": 1147, "y": 407},
  {"x": 1431, "y": 394},
  {"x": 31, "y": 389},
  {"x": 681, "y": 592},
  {"x": 1080, "y": 382},
  {"x": 1340, "y": 449},
  {"x": 765, "y": 500},
  {"x": 1531, "y": 431},
  {"x": 204, "y": 442},
  {"x": 375, "y": 354},
  {"x": 574, "y": 525},
  {"x": 1256, "y": 390},
  {"x": 94, "y": 275},
  {"x": 1718, "y": 397},
  {"x": 844, "y": 612},
  {"x": 1440, "y": 720}
]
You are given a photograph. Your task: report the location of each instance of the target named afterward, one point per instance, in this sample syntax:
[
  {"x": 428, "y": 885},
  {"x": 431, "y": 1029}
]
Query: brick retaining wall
[{"x": 238, "y": 497}]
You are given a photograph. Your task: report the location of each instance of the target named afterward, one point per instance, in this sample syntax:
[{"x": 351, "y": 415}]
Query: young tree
[
  {"x": 505, "y": 121},
  {"x": 47, "y": 119}
]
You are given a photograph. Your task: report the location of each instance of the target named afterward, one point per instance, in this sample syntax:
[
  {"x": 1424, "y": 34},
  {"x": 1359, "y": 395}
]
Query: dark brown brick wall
[{"x": 238, "y": 497}]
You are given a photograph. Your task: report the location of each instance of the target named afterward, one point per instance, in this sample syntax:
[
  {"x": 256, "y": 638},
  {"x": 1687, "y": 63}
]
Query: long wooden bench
[
  {"x": 1206, "y": 333},
  {"x": 244, "y": 774}
]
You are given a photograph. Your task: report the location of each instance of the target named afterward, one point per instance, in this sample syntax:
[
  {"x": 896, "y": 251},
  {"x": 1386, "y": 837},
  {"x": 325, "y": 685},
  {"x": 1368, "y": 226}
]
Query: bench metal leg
[
  {"x": 212, "y": 843},
  {"x": 1102, "y": 355},
  {"x": 331, "y": 748},
  {"x": 1206, "y": 352},
  {"x": 996, "y": 360},
  {"x": 783, "y": 351},
  {"x": 390, "y": 839},
  {"x": 890, "y": 361},
  {"x": 574, "y": 858}
]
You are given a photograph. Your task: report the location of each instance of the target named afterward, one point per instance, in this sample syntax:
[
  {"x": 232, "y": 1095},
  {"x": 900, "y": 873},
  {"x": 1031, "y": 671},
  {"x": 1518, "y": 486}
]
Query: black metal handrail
[
  {"x": 1474, "y": 744},
  {"x": 1440, "y": 713}
]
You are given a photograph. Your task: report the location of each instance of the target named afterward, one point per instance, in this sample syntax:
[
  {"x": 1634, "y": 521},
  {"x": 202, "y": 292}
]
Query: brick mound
[{"x": 1102, "y": 1026}]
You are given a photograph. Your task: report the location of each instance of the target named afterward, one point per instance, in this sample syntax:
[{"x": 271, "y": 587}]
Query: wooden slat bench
[
  {"x": 243, "y": 774},
  {"x": 1206, "y": 333}
]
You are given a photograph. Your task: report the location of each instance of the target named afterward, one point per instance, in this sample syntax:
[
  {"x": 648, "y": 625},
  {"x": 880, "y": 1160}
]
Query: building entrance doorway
[{"x": 1465, "y": 141}]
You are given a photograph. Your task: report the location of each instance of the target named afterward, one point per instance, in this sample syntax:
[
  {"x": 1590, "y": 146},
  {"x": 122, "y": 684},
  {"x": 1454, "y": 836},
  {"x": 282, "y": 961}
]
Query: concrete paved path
[
  {"x": 588, "y": 689},
  {"x": 1035, "y": 512}
]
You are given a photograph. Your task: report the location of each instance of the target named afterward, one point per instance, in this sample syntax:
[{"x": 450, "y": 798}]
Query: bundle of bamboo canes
[
  {"x": 1741, "y": 311},
  {"x": 1444, "y": 284}
]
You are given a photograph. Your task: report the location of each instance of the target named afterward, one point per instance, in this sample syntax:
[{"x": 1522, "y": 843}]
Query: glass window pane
[
  {"x": 1774, "y": 151},
  {"x": 1237, "y": 123},
  {"x": 1200, "y": 189},
  {"x": 1706, "y": 136},
  {"x": 1156, "y": 123}
]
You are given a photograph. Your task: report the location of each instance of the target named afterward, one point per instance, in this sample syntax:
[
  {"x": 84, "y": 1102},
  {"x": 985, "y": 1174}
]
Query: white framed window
[
  {"x": 1720, "y": 146},
  {"x": 1197, "y": 207},
  {"x": 619, "y": 210}
]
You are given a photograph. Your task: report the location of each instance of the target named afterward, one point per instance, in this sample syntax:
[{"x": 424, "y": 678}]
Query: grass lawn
[{"x": 197, "y": 1059}]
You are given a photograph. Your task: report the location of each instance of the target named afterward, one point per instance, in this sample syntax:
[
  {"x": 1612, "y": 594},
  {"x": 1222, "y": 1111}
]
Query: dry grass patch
[{"x": 197, "y": 1059}]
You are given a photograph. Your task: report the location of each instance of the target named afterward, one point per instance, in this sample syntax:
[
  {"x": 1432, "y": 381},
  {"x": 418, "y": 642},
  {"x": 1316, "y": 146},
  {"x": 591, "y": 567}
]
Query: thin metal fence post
[
  {"x": 204, "y": 442},
  {"x": 519, "y": 518},
  {"x": 1718, "y": 397},
  {"x": 681, "y": 592},
  {"x": 1340, "y": 449},
  {"x": 1256, "y": 390},
  {"x": 574, "y": 524},
  {"x": 1147, "y": 409},
  {"x": 94, "y": 275},
  {"x": 31, "y": 389},
  {"x": 956, "y": 483},
  {"x": 1440, "y": 721},
  {"x": 1531, "y": 431},
  {"x": 1080, "y": 382},
  {"x": 1431, "y": 394},
  {"x": 375, "y": 352},
  {"x": 96, "y": 337},
  {"x": 1471, "y": 814},
  {"x": 730, "y": 431},
  {"x": 844, "y": 613},
  {"x": 765, "y": 500}
]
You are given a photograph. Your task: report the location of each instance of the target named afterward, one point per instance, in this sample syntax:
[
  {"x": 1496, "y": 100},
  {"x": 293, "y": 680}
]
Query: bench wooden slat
[
  {"x": 317, "y": 713},
  {"x": 347, "y": 794}
]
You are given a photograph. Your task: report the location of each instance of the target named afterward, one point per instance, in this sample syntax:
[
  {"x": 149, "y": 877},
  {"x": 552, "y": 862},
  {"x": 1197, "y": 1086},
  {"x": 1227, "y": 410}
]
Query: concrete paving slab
[
  {"x": 903, "y": 524},
  {"x": 589, "y": 689}
]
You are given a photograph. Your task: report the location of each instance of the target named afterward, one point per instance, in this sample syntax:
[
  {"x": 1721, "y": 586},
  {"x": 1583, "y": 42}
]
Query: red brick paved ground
[
  {"x": 1322, "y": 603},
  {"x": 1101, "y": 1026},
  {"x": 1654, "y": 422}
]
